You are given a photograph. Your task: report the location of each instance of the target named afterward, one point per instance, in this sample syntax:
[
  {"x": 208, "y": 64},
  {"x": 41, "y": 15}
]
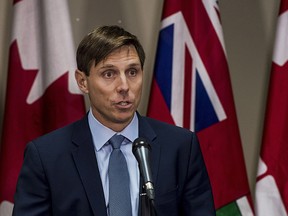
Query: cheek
[
  {"x": 99, "y": 101},
  {"x": 97, "y": 94},
  {"x": 139, "y": 87},
  {"x": 97, "y": 88},
  {"x": 136, "y": 84},
  {"x": 137, "y": 91}
]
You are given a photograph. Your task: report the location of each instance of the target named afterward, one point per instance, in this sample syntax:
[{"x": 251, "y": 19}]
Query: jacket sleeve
[
  {"x": 197, "y": 198},
  {"x": 32, "y": 195}
]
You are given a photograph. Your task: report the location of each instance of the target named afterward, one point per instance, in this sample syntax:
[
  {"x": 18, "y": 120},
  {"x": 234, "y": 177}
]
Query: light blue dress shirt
[{"x": 101, "y": 135}]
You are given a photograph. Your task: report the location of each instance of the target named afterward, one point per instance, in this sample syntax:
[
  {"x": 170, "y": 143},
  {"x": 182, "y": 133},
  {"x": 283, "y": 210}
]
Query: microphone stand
[{"x": 147, "y": 204}]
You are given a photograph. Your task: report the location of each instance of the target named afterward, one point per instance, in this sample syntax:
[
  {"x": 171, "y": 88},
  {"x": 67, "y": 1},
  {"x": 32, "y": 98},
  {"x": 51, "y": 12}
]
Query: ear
[{"x": 81, "y": 80}]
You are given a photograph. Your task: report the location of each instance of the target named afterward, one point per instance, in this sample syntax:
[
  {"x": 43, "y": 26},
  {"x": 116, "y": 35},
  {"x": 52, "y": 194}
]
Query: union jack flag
[{"x": 191, "y": 88}]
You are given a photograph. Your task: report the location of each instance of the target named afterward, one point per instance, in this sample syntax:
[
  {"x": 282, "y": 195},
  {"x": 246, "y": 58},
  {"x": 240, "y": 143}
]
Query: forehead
[
  {"x": 124, "y": 51},
  {"x": 123, "y": 56}
]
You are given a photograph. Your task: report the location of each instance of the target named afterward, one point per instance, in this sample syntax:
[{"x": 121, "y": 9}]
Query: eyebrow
[
  {"x": 135, "y": 64},
  {"x": 112, "y": 66},
  {"x": 107, "y": 66}
]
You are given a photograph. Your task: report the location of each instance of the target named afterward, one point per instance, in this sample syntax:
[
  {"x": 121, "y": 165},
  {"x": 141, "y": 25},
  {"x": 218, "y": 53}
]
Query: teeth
[{"x": 123, "y": 103}]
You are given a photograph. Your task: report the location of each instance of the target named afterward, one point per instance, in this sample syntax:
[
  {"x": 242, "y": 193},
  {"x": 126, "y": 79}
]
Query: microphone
[{"x": 141, "y": 149}]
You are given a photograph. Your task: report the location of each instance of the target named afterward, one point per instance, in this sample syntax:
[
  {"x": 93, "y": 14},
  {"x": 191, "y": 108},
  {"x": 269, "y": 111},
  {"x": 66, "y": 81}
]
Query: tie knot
[{"x": 116, "y": 141}]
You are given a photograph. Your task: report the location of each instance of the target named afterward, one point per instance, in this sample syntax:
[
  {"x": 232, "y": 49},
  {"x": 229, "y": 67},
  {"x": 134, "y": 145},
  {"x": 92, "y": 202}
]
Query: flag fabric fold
[
  {"x": 271, "y": 197},
  {"x": 191, "y": 88},
  {"x": 41, "y": 92}
]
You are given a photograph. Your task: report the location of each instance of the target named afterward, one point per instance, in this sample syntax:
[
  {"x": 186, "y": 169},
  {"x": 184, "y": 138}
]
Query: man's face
[{"x": 114, "y": 87}]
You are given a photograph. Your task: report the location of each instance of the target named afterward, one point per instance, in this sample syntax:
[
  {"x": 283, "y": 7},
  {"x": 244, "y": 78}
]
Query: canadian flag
[
  {"x": 272, "y": 180},
  {"x": 41, "y": 92}
]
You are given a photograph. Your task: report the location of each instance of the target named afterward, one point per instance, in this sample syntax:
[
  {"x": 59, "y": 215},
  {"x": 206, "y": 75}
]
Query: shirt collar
[{"x": 101, "y": 134}]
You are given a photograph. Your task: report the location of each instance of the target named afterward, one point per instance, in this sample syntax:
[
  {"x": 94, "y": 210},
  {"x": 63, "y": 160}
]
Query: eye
[
  {"x": 132, "y": 72},
  {"x": 108, "y": 74}
]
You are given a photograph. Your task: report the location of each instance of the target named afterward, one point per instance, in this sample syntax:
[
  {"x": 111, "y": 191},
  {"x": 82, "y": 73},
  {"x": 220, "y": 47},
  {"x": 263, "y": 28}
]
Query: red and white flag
[
  {"x": 41, "y": 92},
  {"x": 272, "y": 178},
  {"x": 191, "y": 88}
]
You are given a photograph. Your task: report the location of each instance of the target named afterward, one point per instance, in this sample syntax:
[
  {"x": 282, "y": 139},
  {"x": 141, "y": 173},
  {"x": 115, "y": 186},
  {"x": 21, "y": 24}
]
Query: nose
[{"x": 123, "y": 83}]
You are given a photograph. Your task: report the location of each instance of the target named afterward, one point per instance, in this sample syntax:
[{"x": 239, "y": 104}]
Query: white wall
[{"x": 248, "y": 27}]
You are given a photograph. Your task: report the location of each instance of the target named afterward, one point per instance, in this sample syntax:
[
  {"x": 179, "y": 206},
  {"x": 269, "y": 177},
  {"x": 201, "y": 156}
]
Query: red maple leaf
[{"x": 24, "y": 122}]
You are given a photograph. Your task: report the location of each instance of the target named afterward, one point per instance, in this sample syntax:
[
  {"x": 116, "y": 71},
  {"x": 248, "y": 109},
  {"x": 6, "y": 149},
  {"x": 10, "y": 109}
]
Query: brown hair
[{"x": 99, "y": 43}]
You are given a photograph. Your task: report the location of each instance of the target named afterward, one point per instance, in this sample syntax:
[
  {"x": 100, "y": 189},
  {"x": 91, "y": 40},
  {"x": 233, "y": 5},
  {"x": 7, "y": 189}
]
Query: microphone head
[
  {"x": 140, "y": 149},
  {"x": 140, "y": 142}
]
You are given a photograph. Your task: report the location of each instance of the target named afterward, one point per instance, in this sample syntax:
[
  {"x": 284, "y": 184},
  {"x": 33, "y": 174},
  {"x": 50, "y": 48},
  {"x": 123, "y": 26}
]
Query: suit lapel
[
  {"x": 147, "y": 132},
  {"x": 86, "y": 163}
]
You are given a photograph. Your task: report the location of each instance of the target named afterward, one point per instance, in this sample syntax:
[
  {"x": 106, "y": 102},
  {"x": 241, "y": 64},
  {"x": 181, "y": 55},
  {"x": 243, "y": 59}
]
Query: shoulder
[
  {"x": 59, "y": 133},
  {"x": 163, "y": 126},
  {"x": 60, "y": 138},
  {"x": 167, "y": 133}
]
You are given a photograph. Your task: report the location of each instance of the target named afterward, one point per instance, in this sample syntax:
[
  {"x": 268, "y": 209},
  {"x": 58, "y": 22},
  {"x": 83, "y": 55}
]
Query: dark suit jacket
[{"x": 60, "y": 174}]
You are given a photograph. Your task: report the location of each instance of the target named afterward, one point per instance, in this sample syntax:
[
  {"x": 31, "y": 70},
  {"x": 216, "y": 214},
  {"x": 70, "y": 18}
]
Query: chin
[{"x": 124, "y": 118}]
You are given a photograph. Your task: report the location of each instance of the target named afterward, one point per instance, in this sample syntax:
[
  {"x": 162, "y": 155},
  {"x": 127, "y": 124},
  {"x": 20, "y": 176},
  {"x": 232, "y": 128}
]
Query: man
[{"x": 67, "y": 172}]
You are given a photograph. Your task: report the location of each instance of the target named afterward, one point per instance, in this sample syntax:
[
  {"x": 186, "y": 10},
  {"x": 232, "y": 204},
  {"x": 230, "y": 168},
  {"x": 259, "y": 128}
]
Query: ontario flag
[
  {"x": 41, "y": 92},
  {"x": 272, "y": 178},
  {"x": 191, "y": 88}
]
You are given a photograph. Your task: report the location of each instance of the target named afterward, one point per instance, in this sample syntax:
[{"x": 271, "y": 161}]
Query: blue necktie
[{"x": 119, "y": 184}]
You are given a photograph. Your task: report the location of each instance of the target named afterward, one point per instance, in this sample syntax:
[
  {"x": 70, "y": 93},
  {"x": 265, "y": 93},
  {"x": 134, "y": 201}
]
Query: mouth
[{"x": 123, "y": 104}]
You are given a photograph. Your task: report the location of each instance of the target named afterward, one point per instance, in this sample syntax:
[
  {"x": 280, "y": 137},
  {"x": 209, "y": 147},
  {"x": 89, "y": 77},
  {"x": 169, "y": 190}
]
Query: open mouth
[{"x": 123, "y": 104}]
